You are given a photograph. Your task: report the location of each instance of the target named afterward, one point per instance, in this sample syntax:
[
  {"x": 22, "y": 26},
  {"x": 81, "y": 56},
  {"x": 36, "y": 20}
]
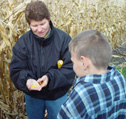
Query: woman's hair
[
  {"x": 94, "y": 45},
  {"x": 36, "y": 11}
]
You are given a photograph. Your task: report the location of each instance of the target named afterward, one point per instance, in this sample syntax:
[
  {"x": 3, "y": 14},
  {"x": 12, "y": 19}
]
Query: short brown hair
[
  {"x": 94, "y": 45},
  {"x": 36, "y": 11}
]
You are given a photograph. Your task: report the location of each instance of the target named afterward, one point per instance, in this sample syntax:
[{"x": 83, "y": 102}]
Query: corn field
[{"x": 72, "y": 16}]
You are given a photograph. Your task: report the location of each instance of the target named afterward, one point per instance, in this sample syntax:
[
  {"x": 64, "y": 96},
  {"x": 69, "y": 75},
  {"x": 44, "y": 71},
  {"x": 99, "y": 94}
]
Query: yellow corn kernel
[{"x": 34, "y": 85}]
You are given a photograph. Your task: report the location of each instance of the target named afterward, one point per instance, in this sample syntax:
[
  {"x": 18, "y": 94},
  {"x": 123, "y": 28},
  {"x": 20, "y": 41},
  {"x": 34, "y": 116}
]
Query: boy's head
[
  {"x": 36, "y": 11},
  {"x": 90, "y": 49}
]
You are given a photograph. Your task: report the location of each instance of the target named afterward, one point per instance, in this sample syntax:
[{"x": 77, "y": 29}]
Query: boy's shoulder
[{"x": 82, "y": 90}]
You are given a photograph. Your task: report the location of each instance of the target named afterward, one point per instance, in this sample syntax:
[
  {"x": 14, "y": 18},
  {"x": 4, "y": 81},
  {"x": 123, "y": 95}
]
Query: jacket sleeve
[
  {"x": 64, "y": 76},
  {"x": 19, "y": 71}
]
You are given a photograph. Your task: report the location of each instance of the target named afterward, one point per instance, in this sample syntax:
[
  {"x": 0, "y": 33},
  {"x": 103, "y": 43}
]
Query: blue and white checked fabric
[{"x": 97, "y": 97}]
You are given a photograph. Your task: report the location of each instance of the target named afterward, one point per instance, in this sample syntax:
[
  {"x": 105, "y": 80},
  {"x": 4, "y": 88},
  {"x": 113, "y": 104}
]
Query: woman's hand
[
  {"x": 43, "y": 81},
  {"x": 32, "y": 84}
]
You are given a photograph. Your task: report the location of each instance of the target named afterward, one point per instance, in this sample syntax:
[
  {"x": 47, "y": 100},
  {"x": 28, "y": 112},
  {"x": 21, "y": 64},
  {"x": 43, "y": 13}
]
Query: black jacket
[{"x": 34, "y": 57}]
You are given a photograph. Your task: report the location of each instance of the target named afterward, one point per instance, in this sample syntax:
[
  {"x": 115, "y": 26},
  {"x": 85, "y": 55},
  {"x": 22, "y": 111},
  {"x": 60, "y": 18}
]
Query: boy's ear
[{"x": 84, "y": 61}]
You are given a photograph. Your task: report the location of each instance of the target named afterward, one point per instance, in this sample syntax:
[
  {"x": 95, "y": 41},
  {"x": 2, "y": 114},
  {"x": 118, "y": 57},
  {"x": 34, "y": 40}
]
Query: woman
[{"x": 33, "y": 68}]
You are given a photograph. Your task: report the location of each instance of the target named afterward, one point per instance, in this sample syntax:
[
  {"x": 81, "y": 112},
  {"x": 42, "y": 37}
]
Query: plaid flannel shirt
[{"x": 97, "y": 97}]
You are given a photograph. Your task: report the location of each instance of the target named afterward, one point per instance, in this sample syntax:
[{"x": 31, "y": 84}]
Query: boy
[{"x": 100, "y": 90}]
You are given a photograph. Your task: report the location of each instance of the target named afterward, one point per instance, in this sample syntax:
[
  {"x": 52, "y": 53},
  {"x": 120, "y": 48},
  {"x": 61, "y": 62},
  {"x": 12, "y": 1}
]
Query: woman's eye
[
  {"x": 34, "y": 25},
  {"x": 42, "y": 24}
]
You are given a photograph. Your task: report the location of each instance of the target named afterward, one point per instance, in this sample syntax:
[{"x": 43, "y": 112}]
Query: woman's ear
[{"x": 84, "y": 61}]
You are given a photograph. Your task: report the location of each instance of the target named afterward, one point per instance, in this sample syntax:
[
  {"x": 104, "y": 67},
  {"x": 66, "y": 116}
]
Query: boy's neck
[{"x": 93, "y": 70}]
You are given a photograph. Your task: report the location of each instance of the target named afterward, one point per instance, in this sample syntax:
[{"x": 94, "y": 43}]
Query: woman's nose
[{"x": 40, "y": 28}]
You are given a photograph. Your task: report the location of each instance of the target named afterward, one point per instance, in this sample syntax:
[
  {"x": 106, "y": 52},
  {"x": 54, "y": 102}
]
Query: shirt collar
[
  {"x": 97, "y": 78},
  {"x": 48, "y": 34}
]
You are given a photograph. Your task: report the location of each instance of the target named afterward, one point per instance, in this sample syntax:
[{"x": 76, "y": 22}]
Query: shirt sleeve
[
  {"x": 73, "y": 108},
  {"x": 66, "y": 110},
  {"x": 77, "y": 104}
]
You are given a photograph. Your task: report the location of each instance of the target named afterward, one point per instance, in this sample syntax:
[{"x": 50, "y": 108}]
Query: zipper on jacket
[{"x": 42, "y": 58}]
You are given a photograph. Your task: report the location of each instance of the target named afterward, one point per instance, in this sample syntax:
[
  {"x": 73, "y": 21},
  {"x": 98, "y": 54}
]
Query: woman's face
[{"x": 40, "y": 28}]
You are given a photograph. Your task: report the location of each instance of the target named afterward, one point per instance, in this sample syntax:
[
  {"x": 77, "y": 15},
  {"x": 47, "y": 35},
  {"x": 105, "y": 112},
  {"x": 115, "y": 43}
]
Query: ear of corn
[
  {"x": 59, "y": 63},
  {"x": 72, "y": 16}
]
